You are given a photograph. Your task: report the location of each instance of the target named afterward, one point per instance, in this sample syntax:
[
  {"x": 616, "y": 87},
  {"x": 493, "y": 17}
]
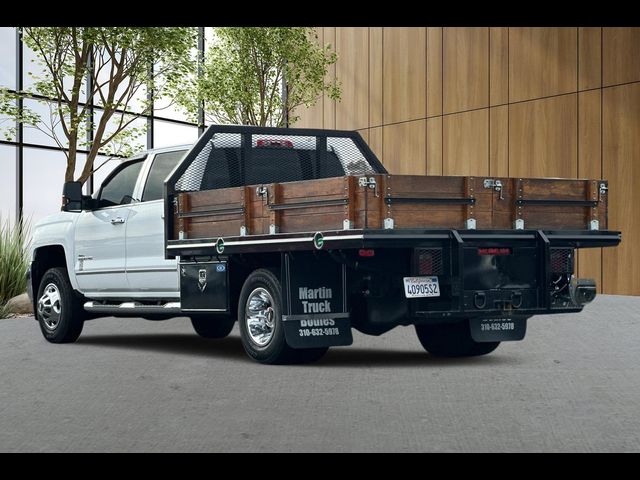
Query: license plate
[{"x": 420, "y": 287}]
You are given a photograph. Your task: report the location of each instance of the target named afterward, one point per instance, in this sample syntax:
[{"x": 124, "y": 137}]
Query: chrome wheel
[
  {"x": 49, "y": 307},
  {"x": 259, "y": 316}
]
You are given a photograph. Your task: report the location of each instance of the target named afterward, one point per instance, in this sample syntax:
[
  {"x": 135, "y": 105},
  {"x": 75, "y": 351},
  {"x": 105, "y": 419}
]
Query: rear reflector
[
  {"x": 366, "y": 252},
  {"x": 494, "y": 251}
]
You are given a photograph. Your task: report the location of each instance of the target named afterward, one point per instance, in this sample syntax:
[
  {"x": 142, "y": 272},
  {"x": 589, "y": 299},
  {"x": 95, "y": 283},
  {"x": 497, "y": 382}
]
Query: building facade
[
  {"x": 32, "y": 165},
  {"x": 538, "y": 102}
]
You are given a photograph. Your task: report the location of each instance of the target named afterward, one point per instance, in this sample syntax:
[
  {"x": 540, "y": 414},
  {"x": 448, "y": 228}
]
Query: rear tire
[
  {"x": 260, "y": 323},
  {"x": 214, "y": 326},
  {"x": 59, "y": 309},
  {"x": 452, "y": 340}
]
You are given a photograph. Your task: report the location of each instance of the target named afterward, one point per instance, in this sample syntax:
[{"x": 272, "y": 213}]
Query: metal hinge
[
  {"x": 368, "y": 183},
  {"x": 495, "y": 185}
]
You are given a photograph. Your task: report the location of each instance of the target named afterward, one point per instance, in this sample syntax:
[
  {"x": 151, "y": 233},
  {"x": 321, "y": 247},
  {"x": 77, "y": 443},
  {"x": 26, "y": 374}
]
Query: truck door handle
[{"x": 117, "y": 220}]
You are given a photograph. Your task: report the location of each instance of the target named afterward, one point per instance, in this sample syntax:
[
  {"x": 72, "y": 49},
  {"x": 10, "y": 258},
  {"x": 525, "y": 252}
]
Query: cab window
[
  {"x": 118, "y": 188},
  {"x": 162, "y": 165}
]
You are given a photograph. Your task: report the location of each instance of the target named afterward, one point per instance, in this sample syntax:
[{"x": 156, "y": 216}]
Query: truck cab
[{"x": 114, "y": 250}]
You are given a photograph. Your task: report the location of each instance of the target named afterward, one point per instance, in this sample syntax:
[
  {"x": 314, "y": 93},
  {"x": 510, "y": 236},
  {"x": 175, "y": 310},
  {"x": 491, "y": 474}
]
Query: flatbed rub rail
[{"x": 340, "y": 239}]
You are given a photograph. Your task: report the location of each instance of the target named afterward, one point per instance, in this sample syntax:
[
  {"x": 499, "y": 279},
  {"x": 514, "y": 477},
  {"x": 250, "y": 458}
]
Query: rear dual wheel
[{"x": 452, "y": 340}]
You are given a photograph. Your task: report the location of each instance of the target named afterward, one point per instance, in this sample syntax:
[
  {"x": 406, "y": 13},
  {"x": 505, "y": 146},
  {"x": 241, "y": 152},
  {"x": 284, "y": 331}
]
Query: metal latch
[
  {"x": 262, "y": 191},
  {"x": 368, "y": 182},
  {"x": 603, "y": 189},
  {"x": 494, "y": 184}
]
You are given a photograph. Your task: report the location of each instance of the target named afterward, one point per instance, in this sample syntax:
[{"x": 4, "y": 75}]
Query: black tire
[
  {"x": 275, "y": 350},
  {"x": 214, "y": 326},
  {"x": 452, "y": 340},
  {"x": 62, "y": 319}
]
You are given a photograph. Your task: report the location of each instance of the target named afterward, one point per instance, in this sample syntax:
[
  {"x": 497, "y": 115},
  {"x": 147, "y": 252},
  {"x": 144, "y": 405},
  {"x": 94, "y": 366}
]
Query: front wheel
[
  {"x": 260, "y": 322},
  {"x": 58, "y": 309},
  {"x": 452, "y": 340},
  {"x": 212, "y": 326}
]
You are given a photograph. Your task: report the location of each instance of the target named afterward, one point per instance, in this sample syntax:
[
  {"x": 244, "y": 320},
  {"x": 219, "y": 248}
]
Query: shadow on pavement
[
  {"x": 360, "y": 357},
  {"x": 175, "y": 344},
  {"x": 231, "y": 348}
]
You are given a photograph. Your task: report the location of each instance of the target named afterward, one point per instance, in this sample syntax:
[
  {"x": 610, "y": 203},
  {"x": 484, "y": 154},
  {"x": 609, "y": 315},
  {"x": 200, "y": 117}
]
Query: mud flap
[
  {"x": 498, "y": 329},
  {"x": 314, "y": 301}
]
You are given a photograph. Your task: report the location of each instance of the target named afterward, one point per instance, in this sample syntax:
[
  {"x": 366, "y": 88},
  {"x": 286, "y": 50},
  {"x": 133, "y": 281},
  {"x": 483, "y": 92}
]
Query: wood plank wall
[{"x": 501, "y": 101}]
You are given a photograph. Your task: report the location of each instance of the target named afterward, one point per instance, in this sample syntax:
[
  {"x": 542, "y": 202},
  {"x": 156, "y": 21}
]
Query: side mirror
[{"x": 72, "y": 198}]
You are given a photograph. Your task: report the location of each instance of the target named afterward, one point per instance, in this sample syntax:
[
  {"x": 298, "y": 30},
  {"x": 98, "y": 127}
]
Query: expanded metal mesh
[
  {"x": 234, "y": 159},
  {"x": 561, "y": 260},
  {"x": 429, "y": 261}
]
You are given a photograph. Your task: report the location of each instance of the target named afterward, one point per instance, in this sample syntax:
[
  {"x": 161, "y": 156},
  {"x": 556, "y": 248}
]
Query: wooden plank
[
  {"x": 375, "y": 76},
  {"x": 589, "y": 57},
  {"x": 466, "y": 143},
  {"x": 226, "y": 228},
  {"x": 558, "y": 189},
  {"x": 498, "y": 66},
  {"x": 426, "y": 184},
  {"x": 542, "y": 62},
  {"x": 621, "y": 150},
  {"x": 404, "y": 66},
  {"x": 311, "y": 223},
  {"x": 322, "y": 187},
  {"x": 434, "y": 71},
  {"x": 451, "y": 218},
  {"x": 404, "y": 147},
  {"x": 466, "y": 68},
  {"x": 434, "y": 146},
  {"x": 204, "y": 199},
  {"x": 499, "y": 141},
  {"x": 352, "y": 69},
  {"x": 620, "y": 55},
  {"x": 543, "y": 138}
]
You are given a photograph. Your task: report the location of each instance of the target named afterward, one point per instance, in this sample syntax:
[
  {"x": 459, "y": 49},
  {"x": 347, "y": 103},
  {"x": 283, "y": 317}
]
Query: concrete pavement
[{"x": 573, "y": 384}]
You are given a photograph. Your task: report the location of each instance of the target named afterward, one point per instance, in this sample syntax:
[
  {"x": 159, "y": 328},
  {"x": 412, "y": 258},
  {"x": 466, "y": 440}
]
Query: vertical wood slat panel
[
  {"x": 590, "y": 166},
  {"x": 499, "y": 141},
  {"x": 329, "y": 113},
  {"x": 404, "y": 148},
  {"x": 498, "y": 66},
  {"x": 589, "y": 57},
  {"x": 404, "y": 82},
  {"x": 621, "y": 150},
  {"x": 465, "y": 68},
  {"x": 542, "y": 62},
  {"x": 375, "y": 76},
  {"x": 543, "y": 138},
  {"x": 434, "y": 71},
  {"x": 434, "y": 146},
  {"x": 465, "y": 148},
  {"x": 352, "y": 47},
  {"x": 312, "y": 117},
  {"x": 621, "y": 55},
  {"x": 375, "y": 141}
]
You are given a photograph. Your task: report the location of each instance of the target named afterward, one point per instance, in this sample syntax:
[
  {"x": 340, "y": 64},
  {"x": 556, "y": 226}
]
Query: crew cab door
[
  {"x": 99, "y": 261},
  {"x": 147, "y": 269}
]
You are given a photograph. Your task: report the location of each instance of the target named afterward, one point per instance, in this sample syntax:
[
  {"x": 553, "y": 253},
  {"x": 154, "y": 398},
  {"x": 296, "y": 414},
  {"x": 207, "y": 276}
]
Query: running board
[{"x": 132, "y": 308}]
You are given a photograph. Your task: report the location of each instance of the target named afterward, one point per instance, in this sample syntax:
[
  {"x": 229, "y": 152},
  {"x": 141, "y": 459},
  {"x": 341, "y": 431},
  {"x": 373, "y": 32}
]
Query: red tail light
[
  {"x": 274, "y": 143},
  {"x": 366, "y": 252},
  {"x": 494, "y": 251}
]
